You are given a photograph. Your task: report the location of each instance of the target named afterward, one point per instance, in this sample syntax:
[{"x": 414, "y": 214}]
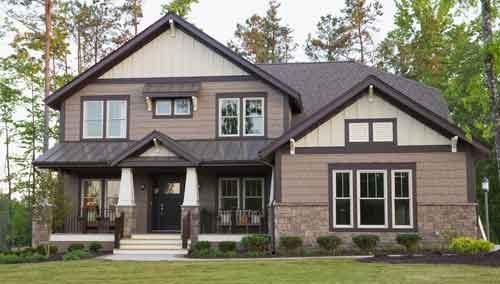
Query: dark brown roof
[{"x": 320, "y": 83}]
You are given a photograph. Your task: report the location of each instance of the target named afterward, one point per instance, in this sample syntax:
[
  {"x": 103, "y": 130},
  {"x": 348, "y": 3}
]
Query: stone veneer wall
[
  {"x": 130, "y": 222},
  {"x": 311, "y": 220}
]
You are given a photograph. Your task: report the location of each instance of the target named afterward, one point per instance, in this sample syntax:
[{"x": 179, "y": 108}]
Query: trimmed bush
[
  {"x": 366, "y": 243},
  {"x": 409, "y": 241},
  {"x": 291, "y": 243},
  {"x": 73, "y": 247},
  {"x": 256, "y": 243},
  {"x": 201, "y": 245},
  {"x": 53, "y": 250},
  {"x": 76, "y": 254},
  {"x": 200, "y": 253},
  {"x": 227, "y": 246},
  {"x": 464, "y": 245},
  {"x": 329, "y": 243},
  {"x": 41, "y": 249},
  {"x": 22, "y": 258},
  {"x": 95, "y": 247}
]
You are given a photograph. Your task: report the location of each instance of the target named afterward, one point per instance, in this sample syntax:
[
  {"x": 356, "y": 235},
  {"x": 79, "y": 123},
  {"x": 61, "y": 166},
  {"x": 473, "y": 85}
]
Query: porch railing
[
  {"x": 232, "y": 220},
  {"x": 88, "y": 220}
]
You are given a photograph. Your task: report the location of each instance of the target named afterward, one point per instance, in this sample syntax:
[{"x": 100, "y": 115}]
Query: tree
[
  {"x": 348, "y": 36},
  {"x": 132, "y": 11},
  {"x": 264, "y": 39},
  {"x": 46, "y": 75},
  {"x": 179, "y": 7}
]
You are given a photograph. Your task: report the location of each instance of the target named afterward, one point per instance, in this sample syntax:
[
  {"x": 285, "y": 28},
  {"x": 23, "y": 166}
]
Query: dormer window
[
  {"x": 104, "y": 117},
  {"x": 172, "y": 108},
  {"x": 370, "y": 131}
]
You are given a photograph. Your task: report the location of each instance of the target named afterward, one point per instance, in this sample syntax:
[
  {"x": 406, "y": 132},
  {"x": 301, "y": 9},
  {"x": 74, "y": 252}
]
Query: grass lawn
[{"x": 282, "y": 271}]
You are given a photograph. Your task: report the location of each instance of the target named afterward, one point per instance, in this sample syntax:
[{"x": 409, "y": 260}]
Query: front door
[{"x": 168, "y": 193}]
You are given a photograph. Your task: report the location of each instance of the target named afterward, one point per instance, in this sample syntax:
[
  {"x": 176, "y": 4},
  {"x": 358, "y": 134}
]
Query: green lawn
[{"x": 282, "y": 271}]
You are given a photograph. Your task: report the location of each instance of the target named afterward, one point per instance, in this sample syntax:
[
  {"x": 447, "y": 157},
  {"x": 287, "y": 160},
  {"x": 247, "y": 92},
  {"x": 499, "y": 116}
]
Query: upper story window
[
  {"x": 104, "y": 118},
  {"x": 371, "y": 130},
  {"x": 241, "y": 116},
  {"x": 178, "y": 107}
]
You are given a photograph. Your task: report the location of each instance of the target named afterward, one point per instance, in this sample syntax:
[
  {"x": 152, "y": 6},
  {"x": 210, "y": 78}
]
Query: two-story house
[{"x": 175, "y": 132}]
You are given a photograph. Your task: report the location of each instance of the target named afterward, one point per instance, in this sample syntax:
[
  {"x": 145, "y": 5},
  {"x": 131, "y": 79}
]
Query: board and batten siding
[
  {"x": 409, "y": 130},
  {"x": 201, "y": 126},
  {"x": 173, "y": 56},
  {"x": 440, "y": 176}
]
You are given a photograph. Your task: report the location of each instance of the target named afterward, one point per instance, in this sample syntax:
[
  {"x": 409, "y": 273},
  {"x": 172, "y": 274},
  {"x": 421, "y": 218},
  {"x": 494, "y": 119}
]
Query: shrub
[
  {"x": 409, "y": 241},
  {"x": 230, "y": 254},
  {"x": 253, "y": 253},
  {"x": 41, "y": 249},
  {"x": 366, "y": 243},
  {"x": 15, "y": 258},
  {"x": 215, "y": 253},
  {"x": 200, "y": 253},
  {"x": 291, "y": 243},
  {"x": 73, "y": 247},
  {"x": 53, "y": 250},
  {"x": 464, "y": 245},
  {"x": 95, "y": 247},
  {"x": 329, "y": 243},
  {"x": 227, "y": 246},
  {"x": 200, "y": 245},
  {"x": 256, "y": 243},
  {"x": 76, "y": 254}
]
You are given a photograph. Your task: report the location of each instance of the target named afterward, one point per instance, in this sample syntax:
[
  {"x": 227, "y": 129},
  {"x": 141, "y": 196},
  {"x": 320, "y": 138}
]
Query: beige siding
[
  {"x": 169, "y": 56},
  {"x": 409, "y": 130},
  {"x": 440, "y": 177},
  {"x": 201, "y": 126}
]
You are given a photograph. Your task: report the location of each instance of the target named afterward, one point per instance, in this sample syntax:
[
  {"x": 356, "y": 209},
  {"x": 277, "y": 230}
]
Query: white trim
[
  {"x": 358, "y": 187},
  {"x": 334, "y": 197},
  {"x": 410, "y": 198},
  {"x": 261, "y": 192},
  {"x": 263, "y": 116},
  {"x": 123, "y": 128},
  {"x": 86, "y": 118},
  {"x": 159, "y": 113},
  {"x": 220, "y": 118},
  {"x": 221, "y": 237},
  {"x": 188, "y": 109},
  {"x": 232, "y": 196},
  {"x": 81, "y": 238}
]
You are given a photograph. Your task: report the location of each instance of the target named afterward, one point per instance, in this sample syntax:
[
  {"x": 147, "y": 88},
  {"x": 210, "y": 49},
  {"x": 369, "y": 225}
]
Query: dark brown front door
[{"x": 168, "y": 193}]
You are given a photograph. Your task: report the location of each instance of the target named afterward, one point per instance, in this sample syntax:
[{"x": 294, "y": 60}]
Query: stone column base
[
  {"x": 195, "y": 220},
  {"x": 130, "y": 222}
]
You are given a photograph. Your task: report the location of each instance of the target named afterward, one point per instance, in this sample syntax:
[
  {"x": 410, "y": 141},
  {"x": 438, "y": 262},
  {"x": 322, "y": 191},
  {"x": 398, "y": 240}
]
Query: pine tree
[{"x": 180, "y": 7}]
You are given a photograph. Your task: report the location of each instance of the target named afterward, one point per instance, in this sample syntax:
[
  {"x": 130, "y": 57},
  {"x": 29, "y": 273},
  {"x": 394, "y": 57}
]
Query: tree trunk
[
  {"x": 9, "y": 183},
  {"x": 361, "y": 47},
  {"x": 489, "y": 68},
  {"x": 79, "y": 51},
  {"x": 135, "y": 17},
  {"x": 48, "y": 36}
]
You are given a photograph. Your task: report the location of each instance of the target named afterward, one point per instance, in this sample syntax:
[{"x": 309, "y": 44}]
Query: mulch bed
[{"x": 489, "y": 259}]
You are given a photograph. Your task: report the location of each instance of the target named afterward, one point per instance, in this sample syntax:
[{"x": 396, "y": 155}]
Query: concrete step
[
  {"x": 150, "y": 252},
  {"x": 150, "y": 242},
  {"x": 156, "y": 237},
  {"x": 150, "y": 247}
]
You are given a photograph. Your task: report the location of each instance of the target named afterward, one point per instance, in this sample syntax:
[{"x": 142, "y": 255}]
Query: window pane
[
  {"x": 230, "y": 126},
  {"x": 363, "y": 184},
  {"x": 358, "y": 132},
  {"x": 117, "y": 109},
  {"x": 343, "y": 212},
  {"x": 372, "y": 185},
  {"x": 229, "y": 187},
  {"x": 342, "y": 184},
  {"x": 112, "y": 193},
  {"x": 253, "y": 203},
  {"x": 93, "y": 129},
  {"x": 93, "y": 110},
  {"x": 382, "y": 131},
  {"x": 172, "y": 188},
  {"x": 229, "y": 107},
  {"x": 92, "y": 196},
  {"x": 117, "y": 128},
  {"x": 402, "y": 211},
  {"x": 253, "y": 107},
  {"x": 116, "y": 119},
  {"x": 229, "y": 203},
  {"x": 254, "y": 125},
  {"x": 163, "y": 107},
  {"x": 401, "y": 184},
  {"x": 93, "y": 119},
  {"x": 253, "y": 193},
  {"x": 182, "y": 106},
  {"x": 372, "y": 212}
]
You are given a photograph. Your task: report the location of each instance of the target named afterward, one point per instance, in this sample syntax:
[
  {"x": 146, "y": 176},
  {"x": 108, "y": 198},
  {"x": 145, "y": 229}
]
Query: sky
[{"x": 218, "y": 18}]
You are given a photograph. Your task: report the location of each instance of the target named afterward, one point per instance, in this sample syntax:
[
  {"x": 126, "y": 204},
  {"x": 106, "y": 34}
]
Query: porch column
[
  {"x": 191, "y": 204},
  {"x": 126, "y": 201}
]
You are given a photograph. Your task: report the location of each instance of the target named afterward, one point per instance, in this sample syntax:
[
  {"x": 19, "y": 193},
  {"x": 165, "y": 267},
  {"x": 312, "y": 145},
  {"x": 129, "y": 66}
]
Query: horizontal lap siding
[
  {"x": 201, "y": 126},
  {"x": 441, "y": 177}
]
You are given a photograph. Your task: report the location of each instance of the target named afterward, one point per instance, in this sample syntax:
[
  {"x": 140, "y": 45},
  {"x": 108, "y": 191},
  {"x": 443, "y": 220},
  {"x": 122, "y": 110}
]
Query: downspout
[{"x": 270, "y": 205}]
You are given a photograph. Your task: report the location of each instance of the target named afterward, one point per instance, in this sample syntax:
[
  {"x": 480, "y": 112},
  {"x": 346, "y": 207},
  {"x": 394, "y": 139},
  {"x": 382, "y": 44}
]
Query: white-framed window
[
  {"x": 383, "y": 131},
  {"x": 163, "y": 107},
  {"x": 182, "y": 106},
  {"x": 342, "y": 198},
  {"x": 253, "y": 193},
  {"x": 93, "y": 119},
  {"x": 253, "y": 120},
  {"x": 116, "y": 119},
  {"x": 229, "y": 193},
  {"x": 91, "y": 196},
  {"x": 229, "y": 117},
  {"x": 402, "y": 198},
  {"x": 359, "y": 132},
  {"x": 372, "y": 198},
  {"x": 111, "y": 195}
]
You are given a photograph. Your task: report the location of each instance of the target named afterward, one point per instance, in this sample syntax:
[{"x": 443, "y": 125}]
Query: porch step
[
  {"x": 156, "y": 237},
  {"x": 151, "y": 242},
  {"x": 150, "y": 252},
  {"x": 150, "y": 247}
]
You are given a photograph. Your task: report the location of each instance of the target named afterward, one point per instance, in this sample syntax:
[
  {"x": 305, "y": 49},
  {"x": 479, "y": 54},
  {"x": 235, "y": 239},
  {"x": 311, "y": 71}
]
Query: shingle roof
[{"x": 320, "y": 83}]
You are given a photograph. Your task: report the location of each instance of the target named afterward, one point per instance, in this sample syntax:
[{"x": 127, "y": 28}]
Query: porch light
[
  {"x": 292, "y": 146},
  {"x": 454, "y": 142},
  {"x": 370, "y": 93},
  {"x": 149, "y": 104}
]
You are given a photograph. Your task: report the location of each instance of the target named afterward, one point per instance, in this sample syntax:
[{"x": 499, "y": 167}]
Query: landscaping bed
[{"x": 488, "y": 259}]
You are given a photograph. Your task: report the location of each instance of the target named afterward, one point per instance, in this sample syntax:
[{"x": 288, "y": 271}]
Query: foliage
[
  {"x": 95, "y": 247},
  {"x": 366, "y": 243},
  {"x": 76, "y": 254},
  {"x": 291, "y": 243},
  {"x": 409, "y": 241},
  {"x": 227, "y": 246},
  {"x": 179, "y": 7},
  {"x": 200, "y": 245},
  {"x": 264, "y": 39},
  {"x": 256, "y": 243},
  {"x": 329, "y": 243},
  {"x": 464, "y": 245},
  {"x": 73, "y": 247},
  {"x": 21, "y": 258}
]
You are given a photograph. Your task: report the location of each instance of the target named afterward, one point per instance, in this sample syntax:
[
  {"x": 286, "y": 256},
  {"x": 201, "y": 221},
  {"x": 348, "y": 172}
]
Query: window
[
  {"x": 99, "y": 197},
  {"x": 112, "y": 193},
  {"x": 93, "y": 119},
  {"x": 92, "y": 196},
  {"x": 116, "y": 119},
  {"x": 371, "y": 130},
  {"x": 229, "y": 117},
  {"x": 372, "y": 192},
  {"x": 342, "y": 195},
  {"x": 104, "y": 118},
  {"x": 359, "y": 132},
  {"x": 163, "y": 107},
  {"x": 229, "y": 193},
  {"x": 253, "y": 123},
  {"x": 402, "y": 205},
  {"x": 171, "y": 108},
  {"x": 182, "y": 106},
  {"x": 382, "y": 132},
  {"x": 253, "y": 192}
]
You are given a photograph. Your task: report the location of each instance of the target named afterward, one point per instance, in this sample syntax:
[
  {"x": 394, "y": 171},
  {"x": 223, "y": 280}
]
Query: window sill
[{"x": 372, "y": 230}]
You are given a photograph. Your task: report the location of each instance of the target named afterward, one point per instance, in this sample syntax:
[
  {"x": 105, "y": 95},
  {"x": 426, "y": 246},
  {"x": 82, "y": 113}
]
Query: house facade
[{"x": 173, "y": 132}]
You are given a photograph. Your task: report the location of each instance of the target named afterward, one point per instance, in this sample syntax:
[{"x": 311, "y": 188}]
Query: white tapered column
[
  {"x": 126, "y": 202},
  {"x": 191, "y": 206},
  {"x": 191, "y": 195}
]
